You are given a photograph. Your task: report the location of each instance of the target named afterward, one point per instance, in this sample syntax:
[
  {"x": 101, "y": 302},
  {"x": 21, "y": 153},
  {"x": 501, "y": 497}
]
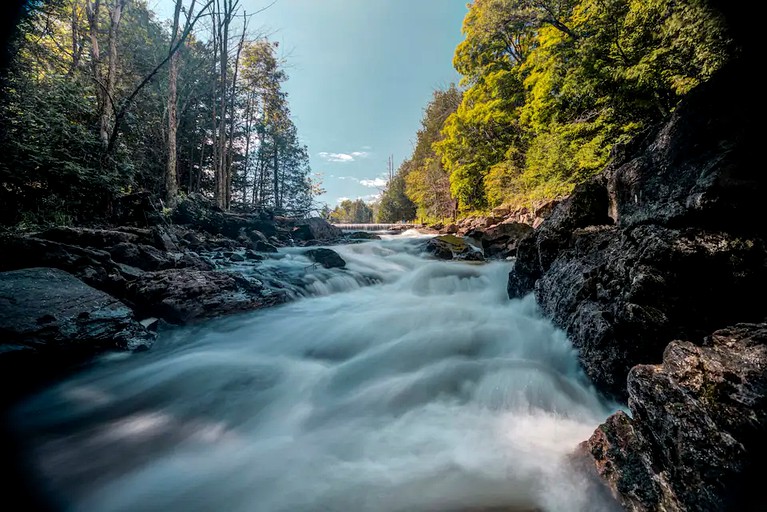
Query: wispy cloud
[
  {"x": 343, "y": 157},
  {"x": 341, "y": 200},
  {"x": 374, "y": 183},
  {"x": 336, "y": 157}
]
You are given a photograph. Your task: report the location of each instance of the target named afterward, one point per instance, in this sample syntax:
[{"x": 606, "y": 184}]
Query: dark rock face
[
  {"x": 697, "y": 437},
  {"x": 660, "y": 246},
  {"x": 201, "y": 212},
  {"x": 501, "y": 240},
  {"x": 451, "y": 247},
  {"x": 182, "y": 295},
  {"x": 48, "y": 311},
  {"x": 315, "y": 229},
  {"x": 362, "y": 235},
  {"x": 94, "y": 267},
  {"x": 326, "y": 257}
]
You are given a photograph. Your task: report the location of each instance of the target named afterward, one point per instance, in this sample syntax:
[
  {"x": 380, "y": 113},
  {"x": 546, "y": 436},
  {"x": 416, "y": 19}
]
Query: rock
[
  {"x": 449, "y": 247},
  {"x": 180, "y": 296},
  {"x": 252, "y": 255},
  {"x": 657, "y": 247},
  {"x": 363, "y": 235},
  {"x": 501, "y": 211},
  {"x": 315, "y": 228},
  {"x": 140, "y": 256},
  {"x": 326, "y": 257},
  {"x": 237, "y": 257},
  {"x": 544, "y": 210},
  {"x": 50, "y": 312},
  {"x": 501, "y": 240},
  {"x": 94, "y": 267},
  {"x": 696, "y": 437},
  {"x": 164, "y": 240},
  {"x": 198, "y": 211},
  {"x": 451, "y": 229},
  {"x": 89, "y": 238},
  {"x": 262, "y": 246}
]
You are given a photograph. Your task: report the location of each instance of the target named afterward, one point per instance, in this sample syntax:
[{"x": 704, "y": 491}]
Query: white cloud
[
  {"x": 377, "y": 182},
  {"x": 341, "y": 200},
  {"x": 336, "y": 157},
  {"x": 343, "y": 157}
]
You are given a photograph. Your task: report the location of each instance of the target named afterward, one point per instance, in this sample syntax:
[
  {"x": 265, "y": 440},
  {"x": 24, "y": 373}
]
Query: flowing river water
[{"x": 398, "y": 384}]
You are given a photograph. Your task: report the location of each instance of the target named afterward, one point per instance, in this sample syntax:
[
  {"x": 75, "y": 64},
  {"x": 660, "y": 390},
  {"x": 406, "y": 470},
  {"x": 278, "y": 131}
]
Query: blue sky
[{"x": 361, "y": 72}]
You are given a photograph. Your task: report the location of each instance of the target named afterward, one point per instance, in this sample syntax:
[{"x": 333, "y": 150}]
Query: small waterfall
[{"x": 375, "y": 227}]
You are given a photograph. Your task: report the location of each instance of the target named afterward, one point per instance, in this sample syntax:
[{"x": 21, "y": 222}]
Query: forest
[
  {"x": 548, "y": 89},
  {"x": 101, "y": 101}
]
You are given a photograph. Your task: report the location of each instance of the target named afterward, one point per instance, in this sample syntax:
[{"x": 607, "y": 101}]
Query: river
[{"x": 398, "y": 384}]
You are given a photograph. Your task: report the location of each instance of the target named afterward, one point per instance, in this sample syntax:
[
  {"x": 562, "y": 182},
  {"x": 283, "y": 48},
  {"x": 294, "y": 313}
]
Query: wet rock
[
  {"x": 181, "y": 295},
  {"x": 315, "y": 229},
  {"x": 362, "y": 235},
  {"x": 695, "y": 440},
  {"x": 661, "y": 245},
  {"x": 90, "y": 238},
  {"x": 451, "y": 247},
  {"x": 94, "y": 267},
  {"x": 501, "y": 240},
  {"x": 326, "y": 257},
  {"x": 253, "y": 256},
  {"x": 237, "y": 257},
  {"x": 46, "y": 311},
  {"x": 262, "y": 246}
]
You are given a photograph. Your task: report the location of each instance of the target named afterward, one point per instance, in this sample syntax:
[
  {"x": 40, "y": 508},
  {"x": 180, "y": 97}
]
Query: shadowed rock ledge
[{"x": 668, "y": 243}]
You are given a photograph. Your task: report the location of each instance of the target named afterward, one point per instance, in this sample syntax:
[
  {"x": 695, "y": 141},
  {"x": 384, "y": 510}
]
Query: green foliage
[
  {"x": 553, "y": 85},
  {"x": 351, "y": 212},
  {"x": 395, "y": 205},
  {"x": 57, "y": 169}
]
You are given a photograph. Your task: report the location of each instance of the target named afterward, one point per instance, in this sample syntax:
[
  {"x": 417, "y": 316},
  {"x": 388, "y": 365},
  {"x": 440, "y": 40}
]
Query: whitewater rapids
[{"x": 399, "y": 384}]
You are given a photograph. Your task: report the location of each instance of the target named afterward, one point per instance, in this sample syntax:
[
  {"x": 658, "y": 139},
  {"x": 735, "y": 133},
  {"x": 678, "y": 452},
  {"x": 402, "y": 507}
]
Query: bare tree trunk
[
  {"x": 223, "y": 33},
  {"x": 77, "y": 43},
  {"x": 248, "y": 128},
  {"x": 106, "y": 117},
  {"x": 275, "y": 163},
  {"x": 93, "y": 11},
  {"x": 171, "y": 174},
  {"x": 232, "y": 96}
]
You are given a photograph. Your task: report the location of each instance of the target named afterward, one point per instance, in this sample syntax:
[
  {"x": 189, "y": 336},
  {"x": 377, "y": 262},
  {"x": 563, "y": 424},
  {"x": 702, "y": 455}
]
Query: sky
[{"x": 361, "y": 72}]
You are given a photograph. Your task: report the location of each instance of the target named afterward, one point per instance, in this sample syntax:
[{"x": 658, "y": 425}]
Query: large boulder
[
  {"x": 181, "y": 295},
  {"x": 200, "y": 212},
  {"x": 46, "y": 311},
  {"x": 696, "y": 436},
  {"x": 315, "y": 228},
  {"x": 501, "y": 240},
  {"x": 326, "y": 257},
  {"x": 94, "y": 266},
  {"x": 451, "y": 247}
]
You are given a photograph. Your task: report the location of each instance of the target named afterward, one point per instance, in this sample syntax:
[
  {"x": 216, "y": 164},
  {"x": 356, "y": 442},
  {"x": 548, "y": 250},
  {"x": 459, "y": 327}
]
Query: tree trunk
[
  {"x": 105, "y": 117},
  {"x": 275, "y": 163},
  {"x": 171, "y": 174}
]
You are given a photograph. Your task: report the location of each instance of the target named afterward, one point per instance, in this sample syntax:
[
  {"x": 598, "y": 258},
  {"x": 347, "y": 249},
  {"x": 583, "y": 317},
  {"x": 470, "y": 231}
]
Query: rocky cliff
[{"x": 668, "y": 243}]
